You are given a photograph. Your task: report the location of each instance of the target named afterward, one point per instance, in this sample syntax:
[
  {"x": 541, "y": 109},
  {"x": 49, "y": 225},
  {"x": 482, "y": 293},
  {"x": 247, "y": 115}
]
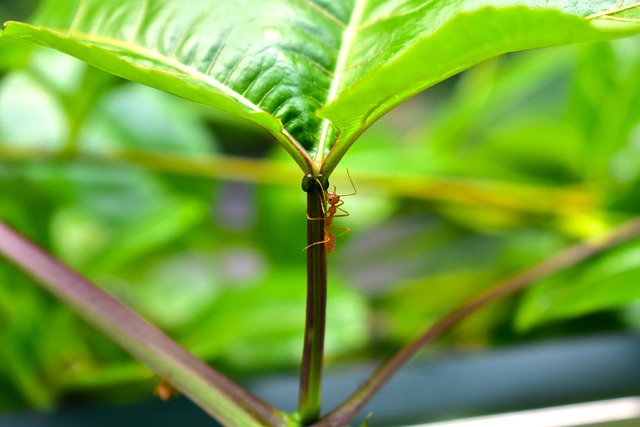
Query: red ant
[
  {"x": 164, "y": 391},
  {"x": 334, "y": 202}
]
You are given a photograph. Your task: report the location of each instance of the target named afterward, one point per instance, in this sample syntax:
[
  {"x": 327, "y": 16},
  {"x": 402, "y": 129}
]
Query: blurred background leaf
[{"x": 611, "y": 281}]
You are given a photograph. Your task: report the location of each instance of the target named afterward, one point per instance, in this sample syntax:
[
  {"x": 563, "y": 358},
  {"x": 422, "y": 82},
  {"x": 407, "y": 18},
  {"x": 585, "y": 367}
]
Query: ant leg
[
  {"x": 323, "y": 202},
  {"x": 323, "y": 218},
  {"x": 343, "y": 214},
  {"x": 346, "y": 230},
  {"x": 318, "y": 243},
  {"x": 324, "y": 212},
  {"x": 352, "y": 186}
]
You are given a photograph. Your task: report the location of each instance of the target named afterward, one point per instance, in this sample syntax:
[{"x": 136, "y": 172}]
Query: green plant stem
[
  {"x": 309, "y": 404},
  {"x": 212, "y": 391},
  {"x": 565, "y": 259}
]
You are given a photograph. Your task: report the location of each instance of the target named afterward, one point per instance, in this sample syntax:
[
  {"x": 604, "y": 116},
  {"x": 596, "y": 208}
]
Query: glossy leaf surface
[
  {"x": 402, "y": 49},
  {"x": 312, "y": 72}
]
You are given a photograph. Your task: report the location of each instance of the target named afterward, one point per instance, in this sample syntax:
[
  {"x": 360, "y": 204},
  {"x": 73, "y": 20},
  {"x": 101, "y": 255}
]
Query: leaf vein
[
  {"x": 253, "y": 82},
  {"x": 80, "y": 13},
  {"x": 388, "y": 17},
  {"x": 307, "y": 58},
  {"x": 325, "y": 12},
  {"x": 139, "y": 20},
  {"x": 364, "y": 60},
  {"x": 232, "y": 70},
  {"x": 315, "y": 36},
  {"x": 289, "y": 100},
  {"x": 619, "y": 8},
  {"x": 223, "y": 44}
]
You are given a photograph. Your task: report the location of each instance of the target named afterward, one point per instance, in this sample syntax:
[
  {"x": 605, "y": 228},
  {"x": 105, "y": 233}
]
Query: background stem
[
  {"x": 565, "y": 259},
  {"x": 507, "y": 196},
  {"x": 312, "y": 357},
  {"x": 212, "y": 391}
]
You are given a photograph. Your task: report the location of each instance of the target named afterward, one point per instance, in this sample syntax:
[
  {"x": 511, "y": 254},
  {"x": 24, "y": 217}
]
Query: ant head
[{"x": 332, "y": 197}]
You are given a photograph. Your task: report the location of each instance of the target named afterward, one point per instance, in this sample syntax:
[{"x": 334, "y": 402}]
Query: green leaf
[
  {"x": 315, "y": 73},
  {"x": 199, "y": 52},
  {"x": 609, "y": 282},
  {"x": 12, "y": 55},
  {"x": 399, "y": 53}
]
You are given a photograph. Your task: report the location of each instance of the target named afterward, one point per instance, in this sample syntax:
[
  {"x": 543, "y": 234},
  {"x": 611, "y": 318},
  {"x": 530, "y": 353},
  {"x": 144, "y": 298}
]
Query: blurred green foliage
[
  {"x": 219, "y": 265},
  {"x": 479, "y": 177}
]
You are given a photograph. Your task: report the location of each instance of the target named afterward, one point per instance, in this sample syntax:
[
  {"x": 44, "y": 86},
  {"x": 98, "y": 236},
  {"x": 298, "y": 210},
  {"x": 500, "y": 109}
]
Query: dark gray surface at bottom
[{"x": 535, "y": 375}]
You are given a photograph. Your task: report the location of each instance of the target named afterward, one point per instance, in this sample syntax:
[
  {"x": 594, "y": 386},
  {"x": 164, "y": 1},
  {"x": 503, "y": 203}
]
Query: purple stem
[
  {"x": 208, "y": 388},
  {"x": 567, "y": 258}
]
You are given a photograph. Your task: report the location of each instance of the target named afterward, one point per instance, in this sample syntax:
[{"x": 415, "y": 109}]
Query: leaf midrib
[{"x": 347, "y": 41}]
